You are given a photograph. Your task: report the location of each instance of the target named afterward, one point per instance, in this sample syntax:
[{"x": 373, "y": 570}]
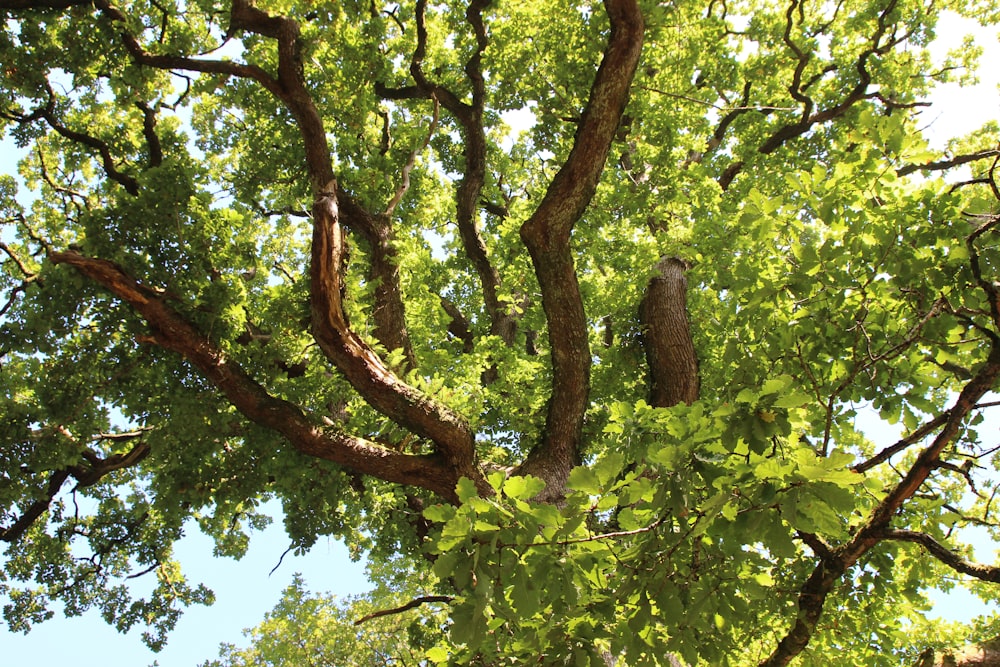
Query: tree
[
  {"x": 319, "y": 630},
  {"x": 597, "y": 375}
]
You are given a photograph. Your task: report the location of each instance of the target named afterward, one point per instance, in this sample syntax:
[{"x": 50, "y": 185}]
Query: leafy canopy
[{"x": 562, "y": 312}]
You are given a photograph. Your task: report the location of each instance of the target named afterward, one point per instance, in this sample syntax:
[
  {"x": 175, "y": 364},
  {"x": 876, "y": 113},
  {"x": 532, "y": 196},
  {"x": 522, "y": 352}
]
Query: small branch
[
  {"x": 149, "y": 132},
  {"x": 411, "y": 162},
  {"x": 22, "y": 267},
  {"x": 107, "y": 161},
  {"x": 902, "y": 444},
  {"x": 948, "y": 163},
  {"x": 412, "y": 604},
  {"x": 988, "y": 573},
  {"x": 593, "y": 538},
  {"x": 281, "y": 559}
]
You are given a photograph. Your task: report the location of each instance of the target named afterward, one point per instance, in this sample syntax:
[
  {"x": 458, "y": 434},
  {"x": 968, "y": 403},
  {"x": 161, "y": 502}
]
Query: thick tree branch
[
  {"x": 830, "y": 568},
  {"x": 97, "y": 467},
  {"x": 88, "y": 473},
  {"x": 670, "y": 353},
  {"x": 149, "y": 132},
  {"x": 547, "y": 236},
  {"x": 36, "y": 509},
  {"x": 361, "y": 366},
  {"x": 459, "y": 326},
  {"x": 358, "y": 362},
  {"x": 388, "y": 310},
  {"x": 171, "y": 331}
]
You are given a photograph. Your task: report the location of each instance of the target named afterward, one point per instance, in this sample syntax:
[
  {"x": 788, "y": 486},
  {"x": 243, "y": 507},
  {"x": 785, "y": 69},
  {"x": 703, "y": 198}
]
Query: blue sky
[{"x": 246, "y": 589}]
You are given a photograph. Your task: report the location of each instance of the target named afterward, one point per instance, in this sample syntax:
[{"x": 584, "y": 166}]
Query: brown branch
[
  {"x": 176, "y": 62},
  {"x": 990, "y": 287},
  {"x": 948, "y": 163},
  {"x": 829, "y": 569},
  {"x": 354, "y": 358},
  {"x": 412, "y": 161},
  {"x": 288, "y": 85},
  {"x": 412, "y": 604},
  {"x": 382, "y": 389},
  {"x": 29, "y": 278},
  {"x": 86, "y": 474},
  {"x": 173, "y": 332},
  {"x": 22, "y": 267},
  {"x": 100, "y": 467},
  {"x": 809, "y": 119},
  {"x": 107, "y": 161},
  {"x": 913, "y": 438},
  {"x": 468, "y": 194},
  {"x": 547, "y": 236},
  {"x": 149, "y": 132},
  {"x": 36, "y": 509},
  {"x": 388, "y": 311},
  {"x": 990, "y": 573},
  {"x": 458, "y": 326}
]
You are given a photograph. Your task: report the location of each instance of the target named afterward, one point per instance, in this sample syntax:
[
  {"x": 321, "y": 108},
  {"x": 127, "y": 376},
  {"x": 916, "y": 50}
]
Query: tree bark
[
  {"x": 986, "y": 654},
  {"x": 666, "y": 335},
  {"x": 547, "y": 234}
]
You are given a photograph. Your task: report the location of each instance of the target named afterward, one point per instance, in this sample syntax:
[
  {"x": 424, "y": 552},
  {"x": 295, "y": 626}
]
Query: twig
[
  {"x": 412, "y": 161},
  {"x": 412, "y": 604}
]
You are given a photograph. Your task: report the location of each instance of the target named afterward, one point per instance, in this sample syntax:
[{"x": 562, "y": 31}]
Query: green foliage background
[{"x": 836, "y": 263}]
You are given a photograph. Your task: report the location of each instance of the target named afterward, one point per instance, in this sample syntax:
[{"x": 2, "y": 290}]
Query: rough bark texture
[
  {"x": 361, "y": 366},
  {"x": 670, "y": 354},
  {"x": 547, "y": 236},
  {"x": 171, "y": 331}
]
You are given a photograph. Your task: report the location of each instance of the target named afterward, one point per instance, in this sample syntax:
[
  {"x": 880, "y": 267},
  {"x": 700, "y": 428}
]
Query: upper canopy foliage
[{"x": 572, "y": 307}]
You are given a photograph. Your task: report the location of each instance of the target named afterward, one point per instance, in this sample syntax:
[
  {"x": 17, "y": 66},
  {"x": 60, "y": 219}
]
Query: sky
[{"x": 247, "y": 589}]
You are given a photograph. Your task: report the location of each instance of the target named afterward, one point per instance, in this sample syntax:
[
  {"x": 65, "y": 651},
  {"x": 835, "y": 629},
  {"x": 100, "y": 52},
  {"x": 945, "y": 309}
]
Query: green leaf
[
  {"x": 523, "y": 488},
  {"x": 466, "y": 490},
  {"x": 582, "y": 478},
  {"x": 439, "y": 513},
  {"x": 437, "y": 655},
  {"x": 794, "y": 399}
]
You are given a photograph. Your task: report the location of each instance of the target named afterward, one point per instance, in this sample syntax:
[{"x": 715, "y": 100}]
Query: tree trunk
[{"x": 666, "y": 335}]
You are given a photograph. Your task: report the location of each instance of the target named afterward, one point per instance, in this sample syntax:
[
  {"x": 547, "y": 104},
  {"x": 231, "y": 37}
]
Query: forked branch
[{"x": 171, "y": 331}]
